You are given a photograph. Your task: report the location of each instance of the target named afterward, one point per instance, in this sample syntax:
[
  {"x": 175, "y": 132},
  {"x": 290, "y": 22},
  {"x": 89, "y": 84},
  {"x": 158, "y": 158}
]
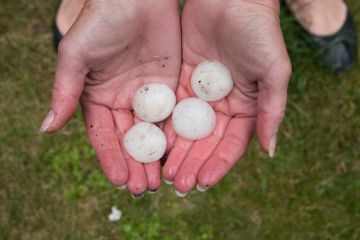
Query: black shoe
[
  {"x": 57, "y": 36},
  {"x": 338, "y": 51}
]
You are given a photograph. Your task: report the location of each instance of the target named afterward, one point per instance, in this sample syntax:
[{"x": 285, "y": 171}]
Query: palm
[
  {"x": 141, "y": 52},
  {"x": 251, "y": 50},
  {"x": 118, "y": 56}
]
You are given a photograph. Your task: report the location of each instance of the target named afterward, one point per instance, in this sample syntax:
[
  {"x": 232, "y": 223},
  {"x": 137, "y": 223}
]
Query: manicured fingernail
[
  {"x": 122, "y": 187},
  {"x": 137, "y": 196},
  {"x": 200, "y": 188},
  {"x": 168, "y": 182},
  {"x": 152, "y": 191},
  {"x": 272, "y": 146},
  {"x": 47, "y": 121},
  {"x": 180, "y": 194}
]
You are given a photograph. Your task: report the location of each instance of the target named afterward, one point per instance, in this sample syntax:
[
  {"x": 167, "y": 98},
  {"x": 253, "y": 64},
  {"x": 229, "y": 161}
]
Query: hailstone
[
  {"x": 154, "y": 102},
  {"x": 193, "y": 119},
  {"x": 145, "y": 142},
  {"x": 211, "y": 81}
]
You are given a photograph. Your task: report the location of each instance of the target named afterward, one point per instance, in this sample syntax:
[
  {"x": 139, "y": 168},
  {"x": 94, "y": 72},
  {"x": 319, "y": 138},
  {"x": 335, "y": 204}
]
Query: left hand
[{"x": 113, "y": 48}]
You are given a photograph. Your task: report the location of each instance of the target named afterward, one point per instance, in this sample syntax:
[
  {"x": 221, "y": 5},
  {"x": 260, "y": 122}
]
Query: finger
[
  {"x": 137, "y": 182},
  {"x": 200, "y": 151},
  {"x": 170, "y": 134},
  {"x": 101, "y": 132},
  {"x": 152, "y": 170},
  {"x": 272, "y": 103},
  {"x": 177, "y": 146},
  {"x": 68, "y": 86},
  {"x": 153, "y": 175},
  {"x": 184, "y": 89},
  {"x": 233, "y": 145},
  {"x": 175, "y": 158}
]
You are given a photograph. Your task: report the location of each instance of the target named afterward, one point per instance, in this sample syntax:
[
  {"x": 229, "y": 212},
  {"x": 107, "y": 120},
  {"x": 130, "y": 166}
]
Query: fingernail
[
  {"x": 272, "y": 146},
  {"x": 122, "y": 187},
  {"x": 137, "y": 196},
  {"x": 152, "y": 191},
  {"x": 200, "y": 188},
  {"x": 180, "y": 194},
  {"x": 168, "y": 182},
  {"x": 47, "y": 121}
]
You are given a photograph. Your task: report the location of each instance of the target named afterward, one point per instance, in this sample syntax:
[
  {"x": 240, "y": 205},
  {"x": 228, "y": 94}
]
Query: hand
[
  {"x": 246, "y": 37},
  {"x": 114, "y": 47}
]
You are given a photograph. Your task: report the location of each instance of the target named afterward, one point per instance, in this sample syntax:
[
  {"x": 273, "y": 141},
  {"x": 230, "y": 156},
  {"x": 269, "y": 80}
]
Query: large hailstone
[
  {"x": 154, "y": 102},
  {"x": 211, "y": 81},
  {"x": 145, "y": 142},
  {"x": 193, "y": 119}
]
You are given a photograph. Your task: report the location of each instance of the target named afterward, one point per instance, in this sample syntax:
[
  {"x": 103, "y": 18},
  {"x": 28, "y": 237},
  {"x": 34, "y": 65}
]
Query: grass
[{"x": 51, "y": 186}]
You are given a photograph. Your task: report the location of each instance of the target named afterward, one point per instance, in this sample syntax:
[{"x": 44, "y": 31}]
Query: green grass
[{"x": 51, "y": 186}]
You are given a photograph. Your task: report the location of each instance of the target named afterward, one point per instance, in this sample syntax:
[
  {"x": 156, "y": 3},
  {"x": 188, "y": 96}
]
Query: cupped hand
[
  {"x": 114, "y": 47},
  {"x": 246, "y": 37}
]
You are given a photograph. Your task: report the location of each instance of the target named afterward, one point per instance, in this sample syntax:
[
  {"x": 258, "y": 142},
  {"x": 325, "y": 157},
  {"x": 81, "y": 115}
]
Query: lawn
[{"x": 51, "y": 186}]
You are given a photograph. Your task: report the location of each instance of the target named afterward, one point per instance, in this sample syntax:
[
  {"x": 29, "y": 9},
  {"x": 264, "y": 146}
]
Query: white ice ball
[
  {"x": 154, "y": 102},
  {"x": 211, "y": 81},
  {"x": 145, "y": 142},
  {"x": 193, "y": 119}
]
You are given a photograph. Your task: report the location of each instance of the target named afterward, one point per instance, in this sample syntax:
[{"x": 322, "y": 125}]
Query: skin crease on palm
[
  {"x": 112, "y": 49},
  {"x": 246, "y": 37}
]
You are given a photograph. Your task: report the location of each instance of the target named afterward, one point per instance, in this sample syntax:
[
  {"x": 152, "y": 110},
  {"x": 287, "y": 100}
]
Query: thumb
[
  {"x": 272, "y": 103},
  {"x": 68, "y": 86}
]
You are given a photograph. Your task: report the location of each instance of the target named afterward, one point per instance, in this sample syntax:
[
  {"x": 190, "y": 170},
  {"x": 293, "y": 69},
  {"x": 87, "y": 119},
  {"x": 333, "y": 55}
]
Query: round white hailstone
[
  {"x": 115, "y": 214},
  {"x": 145, "y": 142},
  {"x": 193, "y": 119},
  {"x": 211, "y": 81},
  {"x": 154, "y": 102}
]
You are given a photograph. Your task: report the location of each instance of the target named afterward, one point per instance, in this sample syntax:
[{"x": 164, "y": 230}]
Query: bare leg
[
  {"x": 68, "y": 11},
  {"x": 319, "y": 17}
]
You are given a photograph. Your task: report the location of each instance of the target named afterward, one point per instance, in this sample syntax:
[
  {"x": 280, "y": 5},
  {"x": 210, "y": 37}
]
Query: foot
[
  {"x": 68, "y": 11},
  {"x": 319, "y": 17}
]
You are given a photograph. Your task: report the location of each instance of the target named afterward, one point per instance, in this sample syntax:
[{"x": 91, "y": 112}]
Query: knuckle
[
  {"x": 65, "y": 47},
  {"x": 233, "y": 140},
  {"x": 287, "y": 68},
  {"x": 280, "y": 72},
  {"x": 60, "y": 95},
  {"x": 277, "y": 113},
  {"x": 101, "y": 135},
  {"x": 69, "y": 49}
]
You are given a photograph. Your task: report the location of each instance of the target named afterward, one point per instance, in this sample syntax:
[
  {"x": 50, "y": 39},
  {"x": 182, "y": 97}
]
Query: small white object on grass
[
  {"x": 154, "y": 102},
  {"x": 193, "y": 119},
  {"x": 211, "y": 81},
  {"x": 145, "y": 142},
  {"x": 115, "y": 214}
]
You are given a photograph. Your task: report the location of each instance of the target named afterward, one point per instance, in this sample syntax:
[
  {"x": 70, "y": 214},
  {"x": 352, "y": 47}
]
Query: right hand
[
  {"x": 113, "y": 48},
  {"x": 246, "y": 37}
]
